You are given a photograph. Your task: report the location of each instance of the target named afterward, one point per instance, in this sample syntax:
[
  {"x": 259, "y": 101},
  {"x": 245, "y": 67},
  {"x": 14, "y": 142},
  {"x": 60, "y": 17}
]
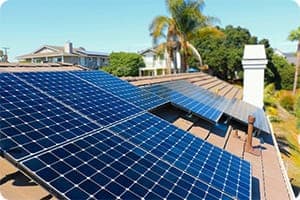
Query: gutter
[{"x": 282, "y": 167}]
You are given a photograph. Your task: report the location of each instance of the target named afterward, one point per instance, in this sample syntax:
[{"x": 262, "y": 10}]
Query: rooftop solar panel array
[
  {"x": 223, "y": 171},
  {"x": 79, "y": 141},
  {"x": 32, "y": 122},
  {"x": 91, "y": 101},
  {"x": 186, "y": 95},
  {"x": 122, "y": 89},
  {"x": 208, "y": 105},
  {"x": 105, "y": 166}
]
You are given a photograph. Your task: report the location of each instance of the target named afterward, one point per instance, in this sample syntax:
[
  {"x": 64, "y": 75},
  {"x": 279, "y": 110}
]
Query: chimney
[
  {"x": 68, "y": 48},
  {"x": 254, "y": 64}
]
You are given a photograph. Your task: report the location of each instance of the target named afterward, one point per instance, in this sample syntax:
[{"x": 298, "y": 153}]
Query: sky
[{"x": 122, "y": 25}]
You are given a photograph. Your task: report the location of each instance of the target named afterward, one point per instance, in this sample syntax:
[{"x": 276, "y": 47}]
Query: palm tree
[
  {"x": 295, "y": 36},
  {"x": 185, "y": 24}
]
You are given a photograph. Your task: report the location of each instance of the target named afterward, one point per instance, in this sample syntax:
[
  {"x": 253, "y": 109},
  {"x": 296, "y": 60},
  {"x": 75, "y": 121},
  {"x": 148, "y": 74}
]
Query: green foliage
[
  {"x": 269, "y": 94},
  {"x": 223, "y": 55},
  {"x": 287, "y": 101},
  {"x": 284, "y": 78},
  {"x": 124, "y": 64},
  {"x": 294, "y": 35},
  {"x": 185, "y": 23}
]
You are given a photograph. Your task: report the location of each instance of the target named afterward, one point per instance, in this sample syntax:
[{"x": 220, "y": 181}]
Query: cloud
[
  {"x": 296, "y": 1},
  {"x": 2, "y": 2}
]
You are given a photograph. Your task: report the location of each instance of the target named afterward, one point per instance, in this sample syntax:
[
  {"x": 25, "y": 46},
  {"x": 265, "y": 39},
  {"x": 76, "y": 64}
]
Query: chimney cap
[{"x": 254, "y": 52}]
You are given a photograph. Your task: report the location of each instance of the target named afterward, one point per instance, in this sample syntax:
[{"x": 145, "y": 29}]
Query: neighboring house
[
  {"x": 155, "y": 64},
  {"x": 290, "y": 57},
  {"x": 66, "y": 54}
]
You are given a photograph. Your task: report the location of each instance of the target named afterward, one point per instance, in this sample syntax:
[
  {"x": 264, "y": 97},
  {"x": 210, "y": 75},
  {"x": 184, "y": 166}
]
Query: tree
[
  {"x": 223, "y": 55},
  {"x": 124, "y": 64},
  {"x": 295, "y": 36},
  {"x": 286, "y": 72},
  {"x": 185, "y": 23}
]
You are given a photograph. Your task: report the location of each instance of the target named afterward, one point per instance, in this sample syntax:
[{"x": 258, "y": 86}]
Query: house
[
  {"x": 66, "y": 54},
  {"x": 155, "y": 63},
  {"x": 290, "y": 57}
]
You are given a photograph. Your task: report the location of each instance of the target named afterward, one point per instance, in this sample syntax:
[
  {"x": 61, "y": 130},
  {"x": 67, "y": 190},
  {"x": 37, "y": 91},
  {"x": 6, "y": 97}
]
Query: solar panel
[
  {"x": 191, "y": 98},
  {"x": 122, "y": 89},
  {"x": 32, "y": 122},
  {"x": 105, "y": 166},
  {"x": 240, "y": 110},
  {"x": 216, "y": 167},
  {"x": 91, "y": 101},
  {"x": 51, "y": 127},
  {"x": 208, "y": 105}
]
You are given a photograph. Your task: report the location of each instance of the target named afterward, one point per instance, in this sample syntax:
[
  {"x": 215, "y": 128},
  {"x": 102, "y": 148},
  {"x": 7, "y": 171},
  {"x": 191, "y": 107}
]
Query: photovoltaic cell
[
  {"x": 32, "y": 122},
  {"x": 222, "y": 170},
  {"x": 122, "y": 89},
  {"x": 105, "y": 166},
  {"x": 192, "y": 98},
  {"x": 87, "y": 99}
]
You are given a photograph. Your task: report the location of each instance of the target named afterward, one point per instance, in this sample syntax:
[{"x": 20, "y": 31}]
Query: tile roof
[
  {"x": 29, "y": 67},
  {"x": 201, "y": 79}
]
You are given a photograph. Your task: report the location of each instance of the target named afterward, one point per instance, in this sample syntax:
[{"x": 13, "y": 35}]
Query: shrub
[
  {"x": 287, "y": 101},
  {"x": 124, "y": 64},
  {"x": 286, "y": 71},
  {"x": 272, "y": 111},
  {"x": 269, "y": 94}
]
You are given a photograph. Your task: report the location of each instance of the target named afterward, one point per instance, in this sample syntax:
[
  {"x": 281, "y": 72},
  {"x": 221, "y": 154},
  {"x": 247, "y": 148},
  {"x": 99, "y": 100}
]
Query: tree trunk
[
  {"x": 195, "y": 52},
  {"x": 169, "y": 60},
  {"x": 297, "y": 69}
]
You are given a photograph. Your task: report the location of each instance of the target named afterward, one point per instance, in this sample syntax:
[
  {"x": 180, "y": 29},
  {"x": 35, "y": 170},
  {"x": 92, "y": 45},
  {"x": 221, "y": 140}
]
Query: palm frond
[
  {"x": 294, "y": 35},
  {"x": 158, "y": 27}
]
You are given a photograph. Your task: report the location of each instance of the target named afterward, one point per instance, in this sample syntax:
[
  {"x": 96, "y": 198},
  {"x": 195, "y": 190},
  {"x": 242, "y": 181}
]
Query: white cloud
[
  {"x": 296, "y": 1},
  {"x": 2, "y": 2}
]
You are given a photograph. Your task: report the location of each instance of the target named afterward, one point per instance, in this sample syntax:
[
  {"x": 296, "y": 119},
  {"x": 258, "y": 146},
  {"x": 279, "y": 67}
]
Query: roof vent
[{"x": 254, "y": 64}]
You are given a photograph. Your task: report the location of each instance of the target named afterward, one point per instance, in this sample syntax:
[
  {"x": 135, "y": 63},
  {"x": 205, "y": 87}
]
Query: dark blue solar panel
[
  {"x": 192, "y": 98},
  {"x": 200, "y": 159},
  {"x": 32, "y": 122},
  {"x": 140, "y": 156},
  {"x": 105, "y": 166},
  {"x": 89, "y": 100},
  {"x": 208, "y": 105},
  {"x": 123, "y": 89}
]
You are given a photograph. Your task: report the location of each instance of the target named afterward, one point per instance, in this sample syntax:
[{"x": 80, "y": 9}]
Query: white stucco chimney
[
  {"x": 254, "y": 64},
  {"x": 68, "y": 48}
]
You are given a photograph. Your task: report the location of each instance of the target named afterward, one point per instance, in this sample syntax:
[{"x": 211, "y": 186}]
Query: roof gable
[{"x": 46, "y": 49}]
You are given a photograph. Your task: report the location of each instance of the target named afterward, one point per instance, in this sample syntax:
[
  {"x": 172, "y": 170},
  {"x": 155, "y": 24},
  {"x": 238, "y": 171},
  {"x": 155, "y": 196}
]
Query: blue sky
[{"x": 122, "y": 25}]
